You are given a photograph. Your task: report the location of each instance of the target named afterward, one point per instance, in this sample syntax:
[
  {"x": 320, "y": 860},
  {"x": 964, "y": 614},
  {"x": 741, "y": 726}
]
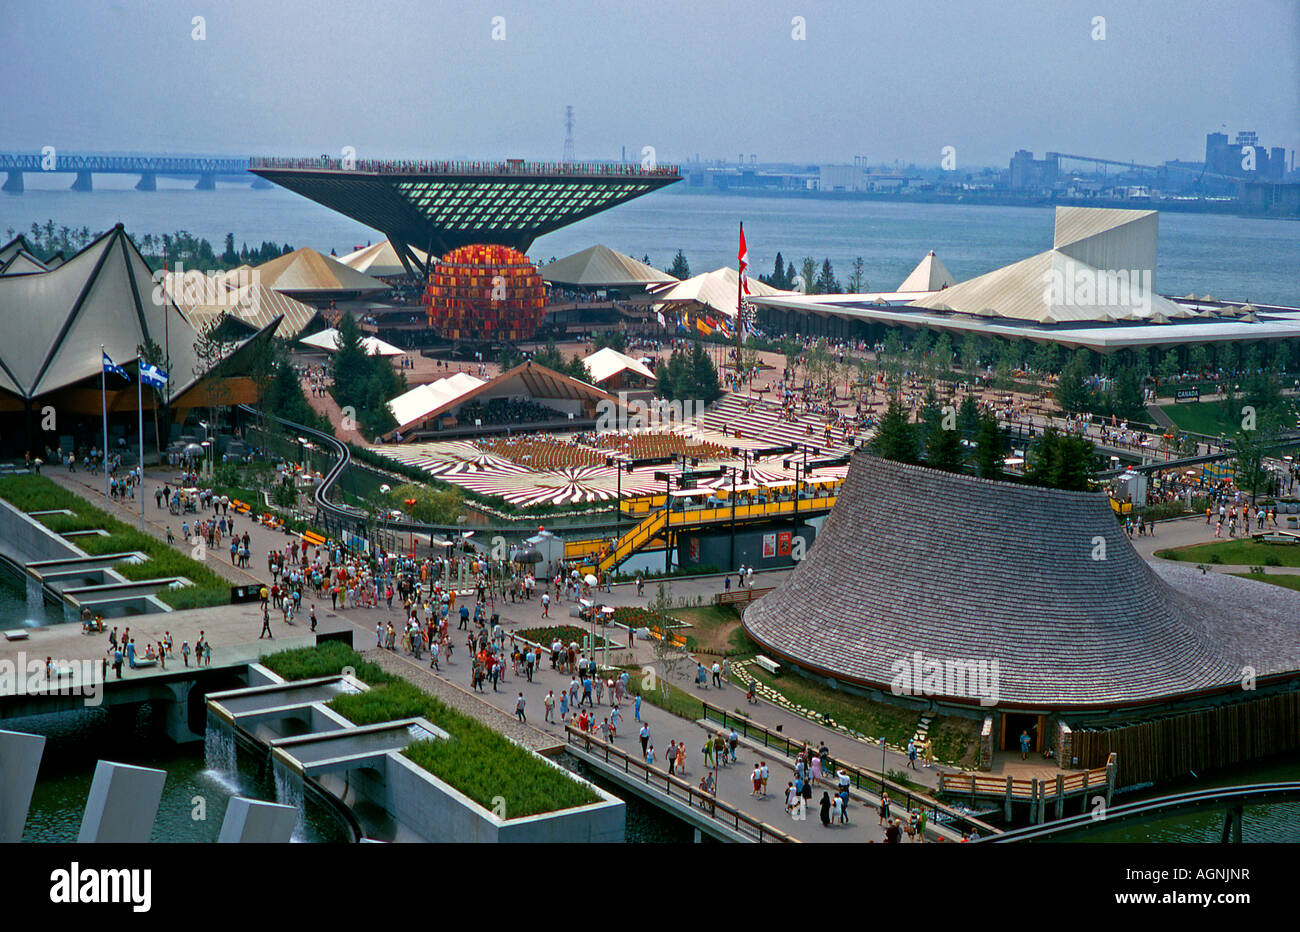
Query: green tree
[
  {"x": 895, "y": 438},
  {"x": 432, "y": 506},
  {"x": 970, "y": 352},
  {"x": 1071, "y": 392},
  {"x": 680, "y": 269},
  {"x": 943, "y": 447},
  {"x": 827, "y": 283},
  {"x": 808, "y": 275},
  {"x": 705, "y": 384},
  {"x": 229, "y": 257},
  {"x": 858, "y": 280},
  {"x": 1127, "y": 400},
  {"x": 988, "y": 447}
]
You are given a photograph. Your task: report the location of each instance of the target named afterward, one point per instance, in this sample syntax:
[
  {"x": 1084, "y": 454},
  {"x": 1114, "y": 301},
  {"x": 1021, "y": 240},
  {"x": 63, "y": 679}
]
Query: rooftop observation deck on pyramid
[
  {"x": 438, "y": 206},
  {"x": 1043, "y": 581}
]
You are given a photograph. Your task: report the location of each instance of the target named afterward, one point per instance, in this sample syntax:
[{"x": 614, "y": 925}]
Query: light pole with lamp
[{"x": 410, "y": 503}]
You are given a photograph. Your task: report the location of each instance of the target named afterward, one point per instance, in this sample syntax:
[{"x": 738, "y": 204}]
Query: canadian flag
[{"x": 743, "y": 259}]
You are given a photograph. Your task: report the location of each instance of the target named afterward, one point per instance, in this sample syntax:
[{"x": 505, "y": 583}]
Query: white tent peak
[
  {"x": 328, "y": 340},
  {"x": 929, "y": 275}
]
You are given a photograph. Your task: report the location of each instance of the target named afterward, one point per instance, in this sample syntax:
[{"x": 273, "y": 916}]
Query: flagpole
[
  {"x": 139, "y": 404},
  {"x": 103, "y": 397}
]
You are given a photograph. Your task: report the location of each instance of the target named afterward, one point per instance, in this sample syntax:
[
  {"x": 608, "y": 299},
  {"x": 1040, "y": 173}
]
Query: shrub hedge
[
  {"x": 37, "y": 493},
  {"x": 477, "y": 761}
]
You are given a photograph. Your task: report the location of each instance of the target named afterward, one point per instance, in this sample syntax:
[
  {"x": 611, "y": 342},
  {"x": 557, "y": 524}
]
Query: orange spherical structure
[{"x": 485, "y": 293}]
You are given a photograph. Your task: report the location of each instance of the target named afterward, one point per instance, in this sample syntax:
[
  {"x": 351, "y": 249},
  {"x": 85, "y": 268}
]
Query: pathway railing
[
  {"x": 673, "y": 788},
  {"x": 858, "y": 778}
]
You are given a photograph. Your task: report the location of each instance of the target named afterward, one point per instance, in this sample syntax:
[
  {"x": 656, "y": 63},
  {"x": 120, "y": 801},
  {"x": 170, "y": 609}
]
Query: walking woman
[{"x": 826, "y": 808}]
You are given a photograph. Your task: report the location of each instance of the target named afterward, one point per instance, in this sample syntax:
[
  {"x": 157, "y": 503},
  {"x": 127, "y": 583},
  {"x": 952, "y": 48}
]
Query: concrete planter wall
[{"x": 422, "y": 804}]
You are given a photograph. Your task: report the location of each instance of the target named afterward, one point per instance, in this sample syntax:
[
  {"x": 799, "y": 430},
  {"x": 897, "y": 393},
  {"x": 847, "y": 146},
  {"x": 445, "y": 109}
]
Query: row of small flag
[{"x": 153, "y": 376}]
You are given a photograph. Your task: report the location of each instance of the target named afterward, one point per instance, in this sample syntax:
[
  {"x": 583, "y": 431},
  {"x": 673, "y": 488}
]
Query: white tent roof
[
  {"x": 328, "y": 340},
  {"x": 716, "y": 290},
  {"x": 929, "y": 275},
  {"x": 379, "y": 259},
  {"x": 306, "y": 270},
  {"x": 607, "y": 362},
  {"x": 600, "y": 266},
  {"x": 417, "y": 404}
]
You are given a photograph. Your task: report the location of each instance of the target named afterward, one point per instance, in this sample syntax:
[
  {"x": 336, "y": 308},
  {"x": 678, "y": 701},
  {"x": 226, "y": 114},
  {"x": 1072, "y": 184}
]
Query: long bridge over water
[{"x": 206, "y": 171}]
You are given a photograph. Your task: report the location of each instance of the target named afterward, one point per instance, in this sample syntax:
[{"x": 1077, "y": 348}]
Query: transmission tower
[{"x": 569, "y": 155}]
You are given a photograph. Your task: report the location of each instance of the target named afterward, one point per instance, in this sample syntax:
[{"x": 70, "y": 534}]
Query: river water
[{"x": 1228, "y": 257}]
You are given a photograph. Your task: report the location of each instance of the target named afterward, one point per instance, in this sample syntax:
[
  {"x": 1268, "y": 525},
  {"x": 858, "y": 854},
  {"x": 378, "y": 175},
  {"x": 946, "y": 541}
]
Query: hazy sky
[{"x": 894, "y": 79}]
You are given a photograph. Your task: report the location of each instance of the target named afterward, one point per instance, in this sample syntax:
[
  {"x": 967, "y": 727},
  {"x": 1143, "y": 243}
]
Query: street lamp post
[{"x": 410, "y": 503}]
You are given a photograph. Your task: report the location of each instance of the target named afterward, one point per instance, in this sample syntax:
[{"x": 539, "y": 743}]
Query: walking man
[
  {"x": 266, "y": 623},
  {"x": 519, "y": 708}
]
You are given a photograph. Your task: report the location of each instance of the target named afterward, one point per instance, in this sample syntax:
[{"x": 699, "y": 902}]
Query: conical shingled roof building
[{"x": 1043, "y": 581}]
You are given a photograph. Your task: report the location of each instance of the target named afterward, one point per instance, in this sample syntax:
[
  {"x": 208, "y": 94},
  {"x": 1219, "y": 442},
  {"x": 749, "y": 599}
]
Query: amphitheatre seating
[
  {"x": 765, "y": 422},
  {"x": 541, "y": 452},
  {"x": 640, "y": 446}
]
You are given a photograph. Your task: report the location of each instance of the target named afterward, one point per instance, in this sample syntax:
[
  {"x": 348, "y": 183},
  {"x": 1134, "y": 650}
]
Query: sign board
[
  {"x": 1187, "y": 395},
  {"x": 783, "y": 544},
  {"x": 769, "y": 545}
]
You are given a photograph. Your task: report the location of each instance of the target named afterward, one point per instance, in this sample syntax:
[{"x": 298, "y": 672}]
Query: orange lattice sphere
[{"x": 482, "y": 293}]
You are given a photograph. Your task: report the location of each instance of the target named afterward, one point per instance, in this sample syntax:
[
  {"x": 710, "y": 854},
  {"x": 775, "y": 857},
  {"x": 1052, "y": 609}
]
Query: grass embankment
[
  {"x": 477, "y": 761},
  {"x": 1285, "y": 580},
  {"x": 1204, "y": 417},
  {"x": 955, "y": 740},
  {"x": 37, "y": 493},
  {"x": 1236, "y": 553},
  {"x": 665, "y": 695}
]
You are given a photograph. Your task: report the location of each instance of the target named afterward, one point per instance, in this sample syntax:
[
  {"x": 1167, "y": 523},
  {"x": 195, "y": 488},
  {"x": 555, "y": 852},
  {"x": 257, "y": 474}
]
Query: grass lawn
[
  {"x": 1204, "y": 417},
  {"x": 666, "y": 696},
  {"x": 1236, "y": 553},
  {"x": 1285, "y": 580},
  {"x": 36, "y": 493},
  {"x": 477, "y": 760},
  {"x": 955, "y": 739}
]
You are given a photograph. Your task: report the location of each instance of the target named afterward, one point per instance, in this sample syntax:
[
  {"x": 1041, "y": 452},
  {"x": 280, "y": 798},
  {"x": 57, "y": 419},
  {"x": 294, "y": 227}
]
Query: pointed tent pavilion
[
  {"x": 929, "y": 275},
  {"x": 606, "y": 363},
  {"x": 55, "y": 323},
  {"x": 601, "y": 267},
  {"x": 1086, "y": 242},
  {"x": 716, "y": 290},
  {"x": 309, "y": 276},
  {"x": 328, "y": 340},
  {"x": 380, "y": 260}
]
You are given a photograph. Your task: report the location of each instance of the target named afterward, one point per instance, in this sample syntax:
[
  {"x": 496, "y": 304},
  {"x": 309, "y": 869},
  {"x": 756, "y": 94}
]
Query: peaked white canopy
[
  {"x": 716, "y": 290},
  {"x": 328, "y": 340}
]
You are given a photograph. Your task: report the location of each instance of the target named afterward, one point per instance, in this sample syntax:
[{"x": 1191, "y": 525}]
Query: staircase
[{"x": 633, "y": 540}]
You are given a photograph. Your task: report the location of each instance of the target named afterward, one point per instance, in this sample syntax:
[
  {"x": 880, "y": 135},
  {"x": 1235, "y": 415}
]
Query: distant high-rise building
[
  {"x": 1029, "y": 172},
  {"x": 1235, "y": 159}
]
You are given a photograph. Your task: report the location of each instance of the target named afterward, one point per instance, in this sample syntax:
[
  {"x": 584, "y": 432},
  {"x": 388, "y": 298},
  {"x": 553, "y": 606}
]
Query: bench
[
  {"x": 771, "y": 666},
  {"x": 242, "y": 508},
  {"x": 1277, "y": 538},
  {"x": 741, "y": 595},
  {"x": 144, "y": 663},
  {"x": 313, "y": 539},
  {"x": 17, "y": 635}
]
